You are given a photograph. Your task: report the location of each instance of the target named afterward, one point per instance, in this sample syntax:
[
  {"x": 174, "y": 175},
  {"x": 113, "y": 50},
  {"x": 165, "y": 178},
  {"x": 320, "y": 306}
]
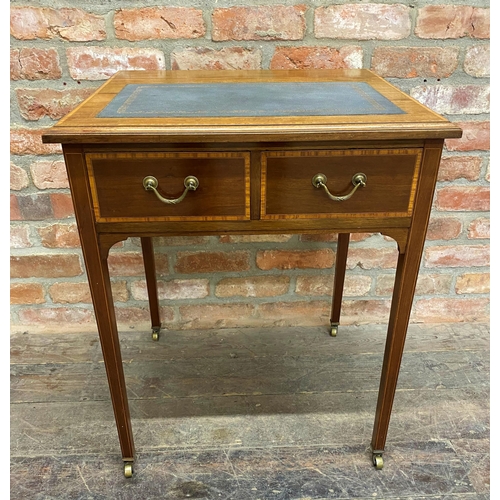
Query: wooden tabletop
[{"x": 83, "y": 125}]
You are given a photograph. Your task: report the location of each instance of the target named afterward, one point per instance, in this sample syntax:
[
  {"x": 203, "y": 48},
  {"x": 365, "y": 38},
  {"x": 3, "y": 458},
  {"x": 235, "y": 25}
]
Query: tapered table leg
[
  {"x": 338, "y": 281},
  {"x": 150, "y": 271}
]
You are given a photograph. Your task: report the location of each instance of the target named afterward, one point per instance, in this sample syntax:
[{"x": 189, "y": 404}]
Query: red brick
[
  {"x": 477, "y": 61},
  {"x": 48, "y": 174},
  {"x": 34, "y": 64},
  {"x": 473, "y": 283},
  {"x": 173, "y": 290},
  {"x": 454, "y": 100},
  {"x": 210, "y": 59},
  {"x": 264, "y": 22},
  {"x": 99, "y": 63},
  {"x": 354, "y": 286},
  {"x": 15, "y": 211},
  {"x": 27, "y": 141},
  {"x": 62, "y": 205},
  {"x": 300, "y": 313},
  {"x": 212, "y": 262},
  {"x": 349, "y": 57},
  {"x": 74, "y": 25},
  {"x": 444, "y": 228},
  {"x": 151, "y": 23},
  {"x": 370, "y": 21},
  {"x": 253, "y": 286},
  {"x": 449, "y": 310},
  {"x": 56, "y": 316},
  {"x": 59, "y": 236},
  {"x": 18, "y": 178},
  {"x": 476, "y": 136},
  {"x": 179, "y": 241},
  {"x": 45, "y": 266},
  {"x": 457, "y": 256},
  {"x": 295, "y": 259},
  {"x": 452, "y": 168},
  {"x": 74, "y": 293},
  {"x": 460, "y": 198},
  {"x": 479, "y": 228},
  {"x": 487, "y": 174},
  {"x": 20, "y": 236},
  {"x": 132, "y": 264},
  {"x": 38, "y": 103},
  {"x": 365, "y": 311},
  {"x": 427, "y": 284},
  {"x": 452, "y": 21},
  {"x": 133, "y": 316},
  {"x": 372, "y": 258},
  {"x": 255, "y": 238},
  {"x": 26, "y": 293},
  {"x": 35, "y": 206},
  {"x": 331, "y": 237},
  {"x": 412, "y": 62},
  {"x": 217, "y": 316}
]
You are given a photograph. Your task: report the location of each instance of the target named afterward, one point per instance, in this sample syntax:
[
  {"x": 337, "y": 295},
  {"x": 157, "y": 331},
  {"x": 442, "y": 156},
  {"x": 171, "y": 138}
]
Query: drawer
[
  {"x": 119, "y": 194},
  {"x": 288, "y": 191}
]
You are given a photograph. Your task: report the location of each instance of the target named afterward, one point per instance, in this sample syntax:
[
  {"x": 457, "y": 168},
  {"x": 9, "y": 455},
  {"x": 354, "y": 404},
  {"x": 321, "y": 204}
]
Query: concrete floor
[{"x": 281, "y": 413}]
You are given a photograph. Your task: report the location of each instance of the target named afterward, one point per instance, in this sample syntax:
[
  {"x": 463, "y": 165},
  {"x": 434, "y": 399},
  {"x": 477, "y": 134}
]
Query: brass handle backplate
[
  {"x": 150, "y": 183},
  {"x": 320, "y": 180}
]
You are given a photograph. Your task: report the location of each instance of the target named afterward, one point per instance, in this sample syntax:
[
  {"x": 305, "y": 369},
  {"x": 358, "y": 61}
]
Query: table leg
[
  {"x": 150, "y": 271},
  {"x": 338, "y": 281}
]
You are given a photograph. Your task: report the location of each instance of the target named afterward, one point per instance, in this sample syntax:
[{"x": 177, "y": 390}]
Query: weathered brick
[
  {"x": 173, "y": 290},
  {"x": 363, "y": 22},
  {"x": 38, "y": 103},
  {"x": 412, "y": 62},
  {"x": 255, "y": 238},
  {"x": 208, "y": 262},
  {"x": 300, "y": 313},
  {"x": 74, "y": 293},
  {"x": 136, "y": 316},
  {"x": 18, "y": 178},
  {"x": 452, "y": 168},
  {"x": 151, "y": 23},
  {"x": 210, "y": 59},
  {"x": 263, "y": 22},
  {"x": 59, "y": 236},
  {"x": 473, "y": 283},
  {"x": 28, "y": 141},
  {"x": 372, "y": 258},
  {"x": 253, "y": 286},
  {"x": 45, "y": 266},
  {"x": 487, "y": 174},
  {"x": 35, "y": 206},
  {"x": 74, "y": 25},
  {"x": 443, "y": 228},
  {"x": 132, "y": 264},
  {"x": 475, "y": 198},
  {"x": 449, "y": 310},
  {"x": 217, "y": 316},
  {"x": 454, "y": 100},
  {"x": 26, "y": 293},
  {"x": 365, "y": 311},
  {"x": 477, "y": 61},
  {"x": 452, "y": 21},
  {"x": 56, "y": 316},
  {"x": 295, "y": 259},
  {"x": 354, "y": 286},
  {"x": 457, "y": 256},
  {"x": 48, "y": 174},
  {"x": 173, "y": 241},
  {"x": 34, "y": 64},
  {"x": 476, "y": 136},
  {"x": 62, "y": 205},
  {"x": 15, "y": 211},
  {"x": 479, "y": 228},
  {"x": 349, "y": 57},
  {"x": 331, "y": 237},
  {"x": 427, "y": 284},
  {"x": 20, "y": 236},
  {"x": 99, "y": 63}
]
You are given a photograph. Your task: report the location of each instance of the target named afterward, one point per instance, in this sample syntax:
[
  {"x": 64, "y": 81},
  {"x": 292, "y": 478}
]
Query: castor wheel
[
  {"x": 378, "y": 462},
  {"x": 334, "y": 329},
  {"x": 155, "y": 335},
  {"x": 128, "y": 470}
]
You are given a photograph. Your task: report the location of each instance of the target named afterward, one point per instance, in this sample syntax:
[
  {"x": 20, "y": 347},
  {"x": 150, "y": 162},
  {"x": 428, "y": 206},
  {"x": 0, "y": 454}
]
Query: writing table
[{"x": 155, "y": 153}]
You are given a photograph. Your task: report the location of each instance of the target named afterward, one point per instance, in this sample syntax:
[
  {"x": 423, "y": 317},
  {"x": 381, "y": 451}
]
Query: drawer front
[
  {"x": 288, "y": 191},
  {"x": 116, "y": 181}
]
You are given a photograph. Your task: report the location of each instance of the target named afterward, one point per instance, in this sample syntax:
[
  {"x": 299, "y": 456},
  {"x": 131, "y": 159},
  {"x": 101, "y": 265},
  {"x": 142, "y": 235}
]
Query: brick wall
[{"x": 62, "y": 50}]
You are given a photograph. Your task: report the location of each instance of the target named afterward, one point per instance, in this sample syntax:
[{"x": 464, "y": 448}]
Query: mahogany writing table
[{"x": 155, "y": 153}]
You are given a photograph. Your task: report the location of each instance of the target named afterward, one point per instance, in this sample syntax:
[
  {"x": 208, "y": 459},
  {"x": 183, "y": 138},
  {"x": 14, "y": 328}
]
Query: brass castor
[
  {"x": 128, "y": 470},
  {"x": 378, "y": 462},
  {"x": 334, "y": 329},
  {"x": 155, "y": 335}
]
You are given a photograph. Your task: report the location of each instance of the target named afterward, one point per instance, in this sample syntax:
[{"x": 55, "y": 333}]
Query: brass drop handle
[
  {"x": 150, "y": 183},
  {"x": 320, "y": 180}
]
